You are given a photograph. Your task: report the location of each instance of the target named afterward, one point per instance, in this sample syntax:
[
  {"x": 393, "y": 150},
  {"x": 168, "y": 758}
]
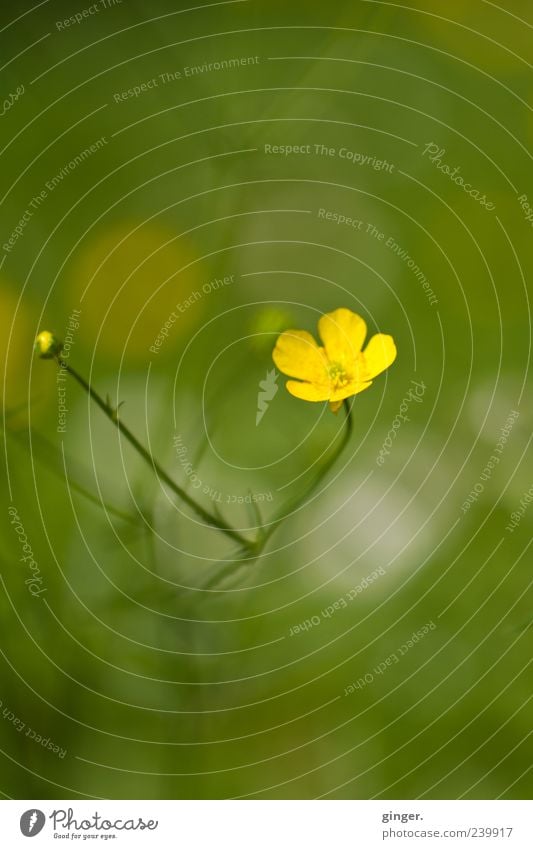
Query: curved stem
[
  {"x": 291, "y": 506},
  {"x": 112, "y": 414}
]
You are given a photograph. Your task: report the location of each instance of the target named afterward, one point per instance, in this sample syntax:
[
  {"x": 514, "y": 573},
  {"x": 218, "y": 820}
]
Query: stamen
[{"x": 338, "y": 375}]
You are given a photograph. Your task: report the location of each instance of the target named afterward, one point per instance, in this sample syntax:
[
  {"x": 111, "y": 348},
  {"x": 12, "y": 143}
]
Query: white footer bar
[{"x": 267, "y": 824}]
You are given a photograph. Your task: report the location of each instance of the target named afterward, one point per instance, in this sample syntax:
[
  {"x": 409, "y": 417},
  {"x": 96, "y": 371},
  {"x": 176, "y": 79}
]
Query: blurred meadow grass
[{"x": 155, "y": 689}]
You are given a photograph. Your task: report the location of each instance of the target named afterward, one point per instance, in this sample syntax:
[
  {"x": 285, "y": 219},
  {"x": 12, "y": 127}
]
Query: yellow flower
[
  {"x": 47, "y": 345},
  {"x": 341, "y": 368}
]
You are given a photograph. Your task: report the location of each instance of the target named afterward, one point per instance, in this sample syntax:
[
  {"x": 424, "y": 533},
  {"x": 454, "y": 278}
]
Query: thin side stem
[
  {"x": 291, "y": 506},
  {"x": 112, "y": 414}
]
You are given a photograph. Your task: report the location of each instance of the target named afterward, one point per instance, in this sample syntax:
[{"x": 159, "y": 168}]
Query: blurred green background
[{"x": 150, "y": 686}]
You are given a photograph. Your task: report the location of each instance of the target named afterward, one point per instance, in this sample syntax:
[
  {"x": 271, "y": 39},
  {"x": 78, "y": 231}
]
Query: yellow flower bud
[{"x": 47, "y": 345}]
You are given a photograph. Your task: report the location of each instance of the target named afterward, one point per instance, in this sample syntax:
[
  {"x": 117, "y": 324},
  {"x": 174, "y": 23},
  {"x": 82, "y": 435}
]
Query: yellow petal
[
  {"x": 339, "y": 395},
  {"x": 298, "y": 355},
  {"x": 308, "y": 391},
  {"x": 352, "y": 388},
  {"x": 378, "y": 355},
  {"x": 343, "y": 333}
]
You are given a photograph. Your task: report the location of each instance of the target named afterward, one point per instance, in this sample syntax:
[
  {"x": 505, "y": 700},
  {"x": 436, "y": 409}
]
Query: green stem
[
  {"x": 112, "y": 414},
  {"x": 255, "y": 550},
  {"x": 297, "y": 502}
]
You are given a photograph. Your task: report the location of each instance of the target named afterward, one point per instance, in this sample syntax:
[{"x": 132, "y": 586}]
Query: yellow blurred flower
[
  {"x": 130, "y": 279},
  {"x": 16, "y": 337},
  {"x": 341, "y": 368},
  {"x": 47, "y": 345}
]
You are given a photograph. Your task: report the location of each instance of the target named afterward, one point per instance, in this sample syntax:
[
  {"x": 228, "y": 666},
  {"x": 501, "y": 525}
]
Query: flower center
[{"x": 338, "y": 375}]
